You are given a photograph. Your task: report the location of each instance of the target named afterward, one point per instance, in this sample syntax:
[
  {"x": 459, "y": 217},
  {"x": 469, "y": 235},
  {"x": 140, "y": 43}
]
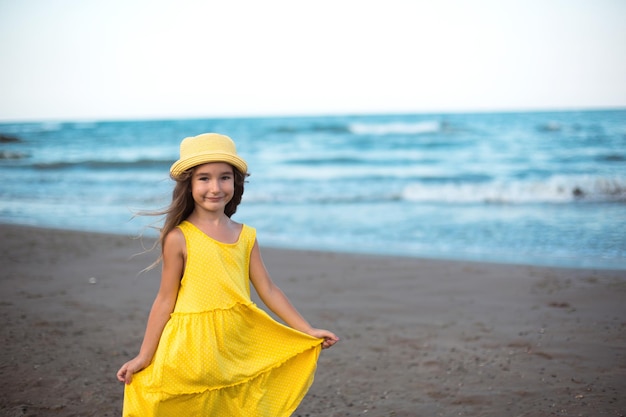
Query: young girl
[{"x": 208, "y": 350}]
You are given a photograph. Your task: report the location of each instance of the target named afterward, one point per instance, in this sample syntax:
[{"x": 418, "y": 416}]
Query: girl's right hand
[{"x": 126, "y": 372}]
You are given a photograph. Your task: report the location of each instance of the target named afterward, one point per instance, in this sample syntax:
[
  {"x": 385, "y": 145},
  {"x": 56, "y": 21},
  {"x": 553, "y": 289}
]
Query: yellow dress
[{"x": 219, "y": 354}]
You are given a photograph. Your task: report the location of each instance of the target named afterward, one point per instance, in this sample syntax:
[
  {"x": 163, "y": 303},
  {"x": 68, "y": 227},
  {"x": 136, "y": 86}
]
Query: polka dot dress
[{"x": 219, "y": 354}]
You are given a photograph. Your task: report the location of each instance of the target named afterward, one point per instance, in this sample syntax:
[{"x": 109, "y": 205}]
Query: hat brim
[{"x": 183, "y": 165}]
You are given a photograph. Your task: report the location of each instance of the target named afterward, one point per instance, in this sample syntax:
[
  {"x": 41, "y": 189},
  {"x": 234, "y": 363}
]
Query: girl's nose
[{"x": 214, "y": 186}]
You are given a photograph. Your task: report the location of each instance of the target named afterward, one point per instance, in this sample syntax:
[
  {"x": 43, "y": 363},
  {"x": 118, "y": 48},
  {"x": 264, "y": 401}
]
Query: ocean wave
[
  {"x": 299, "y": 198},
  {"x": 557, "y": 189},
  {"x": 337, "y": 128},
  {"x": 100, "y": 164},
  {"x": 396, "y": 128},
  {"x": 363, "y": 128},
  {"x": 611, "y": 157},
  {"x": 34, "y": 127},
  {"x": 13, "y": 155},
  {"x": 338, "y": 160},
  {"x": 9, "y": 139}
]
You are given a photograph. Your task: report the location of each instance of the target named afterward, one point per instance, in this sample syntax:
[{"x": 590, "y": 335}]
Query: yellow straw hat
[{"x": 205, "y": 148}]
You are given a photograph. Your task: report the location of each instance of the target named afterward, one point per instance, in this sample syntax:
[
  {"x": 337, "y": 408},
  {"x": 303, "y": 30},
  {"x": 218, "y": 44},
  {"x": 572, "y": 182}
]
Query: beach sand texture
[{"x": 418, "y": 337}]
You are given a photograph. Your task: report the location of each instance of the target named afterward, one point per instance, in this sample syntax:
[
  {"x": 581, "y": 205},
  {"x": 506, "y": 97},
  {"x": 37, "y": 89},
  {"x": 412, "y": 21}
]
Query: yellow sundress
[{"x": 219, "y": 354}]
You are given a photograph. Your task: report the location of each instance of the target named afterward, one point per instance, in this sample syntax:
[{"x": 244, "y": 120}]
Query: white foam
[
  {"x": 557, "y": 189},
  {"x": 394, "y": 128}
]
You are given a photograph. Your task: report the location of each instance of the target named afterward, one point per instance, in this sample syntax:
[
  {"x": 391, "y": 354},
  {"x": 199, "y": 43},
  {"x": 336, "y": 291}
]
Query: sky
[{"x": 145, "y": 59}]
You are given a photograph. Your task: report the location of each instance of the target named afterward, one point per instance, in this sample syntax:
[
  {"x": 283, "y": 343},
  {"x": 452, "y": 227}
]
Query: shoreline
[
  {"x": 419, "y": 336},
  {"x": 545, "y": 263}
]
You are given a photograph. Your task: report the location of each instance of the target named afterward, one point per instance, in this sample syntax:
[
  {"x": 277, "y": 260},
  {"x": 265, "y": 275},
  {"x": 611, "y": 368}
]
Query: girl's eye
[{"x": 226, "y": 177}]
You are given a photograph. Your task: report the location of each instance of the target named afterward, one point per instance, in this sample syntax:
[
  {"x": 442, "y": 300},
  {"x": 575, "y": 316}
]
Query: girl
[{"x": 208, "y": 350}]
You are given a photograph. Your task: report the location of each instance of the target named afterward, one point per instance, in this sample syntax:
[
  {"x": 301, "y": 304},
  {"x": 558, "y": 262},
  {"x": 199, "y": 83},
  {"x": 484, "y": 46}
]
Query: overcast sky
[{"x": 124, "y": 59}]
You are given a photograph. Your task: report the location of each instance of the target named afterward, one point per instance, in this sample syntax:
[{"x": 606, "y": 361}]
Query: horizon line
[{"x": 268, "y": 115}]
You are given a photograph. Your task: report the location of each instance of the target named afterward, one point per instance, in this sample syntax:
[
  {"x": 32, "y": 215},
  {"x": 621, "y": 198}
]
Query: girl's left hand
[{"x": 329, "y": 337}]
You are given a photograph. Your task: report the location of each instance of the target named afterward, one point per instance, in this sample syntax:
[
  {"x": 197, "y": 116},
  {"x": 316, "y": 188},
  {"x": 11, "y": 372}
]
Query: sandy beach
[{"x": 419, "y": 337}]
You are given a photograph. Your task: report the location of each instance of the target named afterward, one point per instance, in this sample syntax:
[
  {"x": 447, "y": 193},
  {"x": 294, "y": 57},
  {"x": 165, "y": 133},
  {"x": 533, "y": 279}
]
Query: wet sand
[{"x": 419, "y": 337}]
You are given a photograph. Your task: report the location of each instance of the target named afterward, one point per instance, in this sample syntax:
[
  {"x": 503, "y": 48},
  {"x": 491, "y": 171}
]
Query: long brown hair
[{"x": 182, "y": 204}]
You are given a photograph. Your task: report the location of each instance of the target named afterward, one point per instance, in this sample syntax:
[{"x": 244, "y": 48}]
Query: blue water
[{"x": 534, "y": 188}]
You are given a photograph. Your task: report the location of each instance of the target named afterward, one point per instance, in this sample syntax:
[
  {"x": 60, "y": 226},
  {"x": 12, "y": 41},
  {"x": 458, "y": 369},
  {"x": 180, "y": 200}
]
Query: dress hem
[{"x": 243, "y": 381}]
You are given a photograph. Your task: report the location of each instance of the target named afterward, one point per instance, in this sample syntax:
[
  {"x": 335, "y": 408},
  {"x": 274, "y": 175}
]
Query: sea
[{"x": 535, "y": 188}]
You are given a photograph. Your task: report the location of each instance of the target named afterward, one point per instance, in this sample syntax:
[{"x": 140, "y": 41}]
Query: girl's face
[{"x": 212, "y": 186}]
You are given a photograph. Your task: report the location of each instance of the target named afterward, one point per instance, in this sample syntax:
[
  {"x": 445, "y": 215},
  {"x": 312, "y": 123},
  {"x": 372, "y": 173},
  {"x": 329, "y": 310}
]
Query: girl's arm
[
  {"x": 277, "y": 301},
  {"x": 173, "y": 263}
]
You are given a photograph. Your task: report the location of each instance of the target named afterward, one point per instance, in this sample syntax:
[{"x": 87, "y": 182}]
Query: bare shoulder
[
  {"x": 174, "y": 241},
  {"x": 175, "y": 234}
]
